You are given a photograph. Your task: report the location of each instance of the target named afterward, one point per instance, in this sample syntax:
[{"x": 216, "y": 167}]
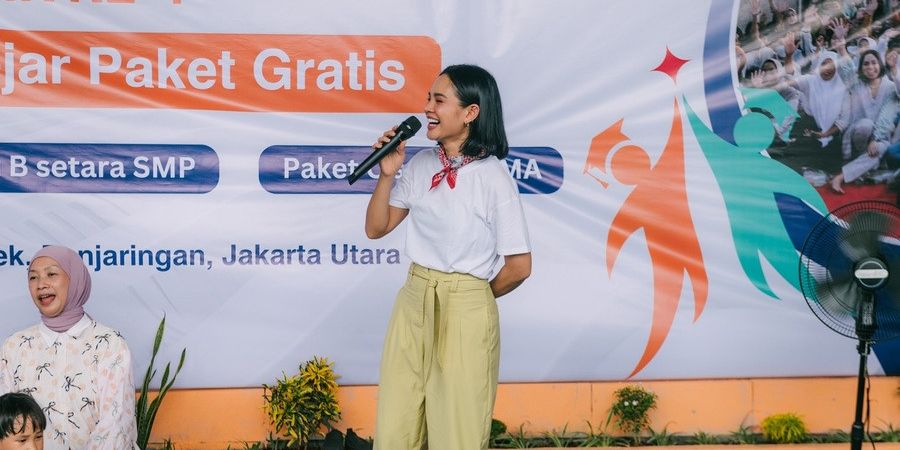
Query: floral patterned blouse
[{"x": 82, "y": 378}]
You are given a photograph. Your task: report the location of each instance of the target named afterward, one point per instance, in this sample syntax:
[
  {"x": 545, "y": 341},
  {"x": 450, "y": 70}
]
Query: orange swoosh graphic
[{"x": 659, "y": 205}]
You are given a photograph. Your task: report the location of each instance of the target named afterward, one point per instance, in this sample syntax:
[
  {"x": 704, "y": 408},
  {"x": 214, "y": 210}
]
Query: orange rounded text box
[{"x": 227, "y": 72}]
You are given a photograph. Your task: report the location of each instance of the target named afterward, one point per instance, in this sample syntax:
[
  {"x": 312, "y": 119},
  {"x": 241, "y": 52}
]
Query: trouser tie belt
[{"x": 439, "y": 287}]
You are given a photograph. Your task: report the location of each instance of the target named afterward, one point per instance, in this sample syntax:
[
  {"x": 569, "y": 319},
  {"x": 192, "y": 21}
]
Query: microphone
[{"x": 405, "y": 130}]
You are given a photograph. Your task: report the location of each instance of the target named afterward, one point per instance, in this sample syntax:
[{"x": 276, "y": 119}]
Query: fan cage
[{"x": 826, "y": 269}]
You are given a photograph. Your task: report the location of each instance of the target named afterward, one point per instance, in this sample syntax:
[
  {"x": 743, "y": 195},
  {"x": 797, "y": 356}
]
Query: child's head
[{"x": 22, "y": 423}]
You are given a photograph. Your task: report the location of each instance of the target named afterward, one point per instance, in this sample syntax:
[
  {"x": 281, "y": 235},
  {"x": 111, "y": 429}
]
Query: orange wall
[{"x": 213, "y": 418}]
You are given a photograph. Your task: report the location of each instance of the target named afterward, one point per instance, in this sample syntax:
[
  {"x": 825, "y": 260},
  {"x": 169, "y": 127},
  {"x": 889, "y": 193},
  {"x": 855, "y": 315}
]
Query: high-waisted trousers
[{"x": 439, "y": 364}]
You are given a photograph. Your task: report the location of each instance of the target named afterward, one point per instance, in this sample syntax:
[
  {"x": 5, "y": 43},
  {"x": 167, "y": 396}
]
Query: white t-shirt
[{"x": 466, "y": 229}]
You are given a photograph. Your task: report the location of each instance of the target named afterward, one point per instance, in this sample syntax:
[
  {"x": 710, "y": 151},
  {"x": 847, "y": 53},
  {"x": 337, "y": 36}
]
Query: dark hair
[
  {"x": 476, "y": 86},
  {"x": 18, "y": 406},
  {"x": 862, "y": 57},
  {"x": 825, "y": 33}
]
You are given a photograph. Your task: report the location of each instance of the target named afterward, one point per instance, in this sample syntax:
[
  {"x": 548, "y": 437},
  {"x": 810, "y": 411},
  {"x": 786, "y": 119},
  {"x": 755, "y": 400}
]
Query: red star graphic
[{"x": 671, "y": 64}]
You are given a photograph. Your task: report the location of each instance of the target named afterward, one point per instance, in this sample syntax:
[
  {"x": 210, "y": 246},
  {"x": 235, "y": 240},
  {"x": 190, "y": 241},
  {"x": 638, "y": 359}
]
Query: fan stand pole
[{"x": 856, "y": 431}]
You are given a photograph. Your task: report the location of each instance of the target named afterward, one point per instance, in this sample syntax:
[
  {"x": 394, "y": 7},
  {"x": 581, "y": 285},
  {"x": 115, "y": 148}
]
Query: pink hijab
[{"x": 79, "y": 286}]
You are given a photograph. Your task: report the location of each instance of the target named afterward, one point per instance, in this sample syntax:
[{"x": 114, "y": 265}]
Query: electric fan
[{"x": 850, "y": 277}]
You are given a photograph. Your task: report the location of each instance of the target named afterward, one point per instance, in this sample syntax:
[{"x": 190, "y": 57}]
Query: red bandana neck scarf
[{"x": 450, "y": 168}]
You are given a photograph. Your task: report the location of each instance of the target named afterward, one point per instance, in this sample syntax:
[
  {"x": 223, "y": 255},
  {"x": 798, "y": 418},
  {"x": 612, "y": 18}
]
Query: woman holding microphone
[{"x": 468, "y": 242}]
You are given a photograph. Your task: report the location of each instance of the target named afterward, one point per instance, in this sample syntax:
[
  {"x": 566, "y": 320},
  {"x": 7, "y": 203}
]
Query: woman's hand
[
  {"x": 516, "y": 268},
  {"x": 840, "y": 27},
  {"x": 818, "y": 134},
  {"x": 381, "y": 218},
  {"x": 740, "y": 56},
  {"x": 789, "y": 43},
  {"x": 393, "y": 161},
  {"x": 756, "y": 78},
  {"x": 780, "y": 5},
  {"x": 872, "y": 149}
]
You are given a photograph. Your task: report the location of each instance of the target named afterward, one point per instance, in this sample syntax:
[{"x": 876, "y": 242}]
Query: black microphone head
[{"x": 409, "y": 127}]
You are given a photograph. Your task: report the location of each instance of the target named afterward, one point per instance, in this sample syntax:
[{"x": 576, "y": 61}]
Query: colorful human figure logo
[{"x": 658, "y": 205}]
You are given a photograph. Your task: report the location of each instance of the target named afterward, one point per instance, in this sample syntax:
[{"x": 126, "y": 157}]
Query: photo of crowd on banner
[{"x": 835, "y": 63}]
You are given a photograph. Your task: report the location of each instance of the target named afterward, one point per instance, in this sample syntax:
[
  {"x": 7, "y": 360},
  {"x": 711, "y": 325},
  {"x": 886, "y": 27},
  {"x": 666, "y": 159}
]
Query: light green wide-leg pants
[{"x": 439, "y": 364}]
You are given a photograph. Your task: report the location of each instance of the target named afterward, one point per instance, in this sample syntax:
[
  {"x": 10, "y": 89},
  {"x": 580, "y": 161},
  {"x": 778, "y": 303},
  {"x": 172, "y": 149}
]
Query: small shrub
[
  {"x": 600, "y": 439},
  {"x": 520, "y": 439},
  {"x": 497, "y": 428},
  {"x": 559, "y": 439},
  {"x": 787, "y": 428},
  {"x": 661, "y": 438},
  {"x": 631, "y": 409},
  {"x": 832, "y": 437},
  {"x": 744, "y": 435},
  {"x": 888, "y": 434},
  {"x": 704, "y": 438},
  {"x": 302, "y": 404}
]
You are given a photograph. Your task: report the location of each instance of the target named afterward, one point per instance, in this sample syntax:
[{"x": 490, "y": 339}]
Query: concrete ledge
[
  {"x": 211, "y": 419},
  {"x": 866, "y": 445}
]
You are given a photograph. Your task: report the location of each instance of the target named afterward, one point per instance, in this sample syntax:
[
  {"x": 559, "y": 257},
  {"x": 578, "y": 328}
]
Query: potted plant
[
  {"x": 631, "y": 410},
  {"x": 303, "y": 404}
]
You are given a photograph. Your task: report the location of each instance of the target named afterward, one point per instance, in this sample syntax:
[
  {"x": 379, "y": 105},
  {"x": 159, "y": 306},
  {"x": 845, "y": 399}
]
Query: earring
[{"x": 466, "y": 124}]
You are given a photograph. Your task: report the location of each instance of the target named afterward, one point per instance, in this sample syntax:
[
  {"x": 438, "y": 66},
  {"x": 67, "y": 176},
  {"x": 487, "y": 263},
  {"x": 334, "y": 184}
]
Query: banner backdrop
[{"x": 196, "y": 152}]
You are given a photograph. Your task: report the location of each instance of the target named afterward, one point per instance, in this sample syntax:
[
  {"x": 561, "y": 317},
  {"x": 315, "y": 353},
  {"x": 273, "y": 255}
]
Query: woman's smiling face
[
  {"x": 871, "y": 66},
  {"x": 48, "y": 285}
]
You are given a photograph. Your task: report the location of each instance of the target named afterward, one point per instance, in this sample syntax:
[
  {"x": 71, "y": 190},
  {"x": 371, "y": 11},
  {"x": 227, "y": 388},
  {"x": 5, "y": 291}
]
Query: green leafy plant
[
  {"x": 842, "y": 437},
  {"x": 888, "y": 434},
  {"x": 662, "y": 437},
  {"x": 832, "y": 437},
  {"x": 249, "y": 446},
  {"x": 520, "y": 439},
  {"x": 559, "y": 438},
  {"x": 704, "y": 438},
  {"x": 145, "y": 409},
  {"x": 304, "y": 403},
  {"x": 631, "y": 410},
  {"x": 744, "y": 435},
  {"x": 599, "y": 439},
  {"x": 497, "y": 428},
  {"x": 787, "y": 428},
  {"x": 271, "y": 443}
]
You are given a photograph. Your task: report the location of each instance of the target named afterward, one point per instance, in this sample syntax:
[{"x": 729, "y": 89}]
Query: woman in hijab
[
  {"x": 864, "y": 44},
  {"x": 822, "y": 96},
  {"x": 772, "y": 75},
  {"x": 77, "y": 369},
  {"x": 813, "y": 45}
]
